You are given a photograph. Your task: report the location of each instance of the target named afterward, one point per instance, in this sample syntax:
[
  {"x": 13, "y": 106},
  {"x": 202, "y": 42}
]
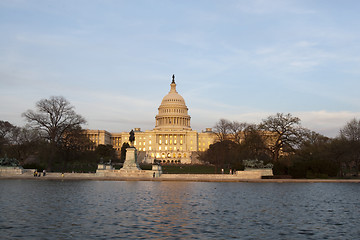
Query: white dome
[
  {"x": 173, "y": 98},
  {"x": 173, "y": 112}
]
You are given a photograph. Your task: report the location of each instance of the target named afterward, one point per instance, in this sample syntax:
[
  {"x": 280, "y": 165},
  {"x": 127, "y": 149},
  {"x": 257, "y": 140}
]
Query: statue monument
[
  {"x": 132, "y": 138},
  {"x": 131, "y": 155},
  {"x": 10, "y": 166}
]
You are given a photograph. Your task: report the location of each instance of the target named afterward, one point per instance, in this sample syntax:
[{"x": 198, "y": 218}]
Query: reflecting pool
[{"x": 33, "y": 209}]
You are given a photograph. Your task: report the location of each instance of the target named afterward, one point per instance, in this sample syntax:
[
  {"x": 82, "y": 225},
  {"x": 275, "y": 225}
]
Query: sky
[{"x": 240, "y": 60}]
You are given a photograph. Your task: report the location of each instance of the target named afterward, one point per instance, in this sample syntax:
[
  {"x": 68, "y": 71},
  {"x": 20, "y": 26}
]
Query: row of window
[
  {"x": 170, "y": 136},
  {"x": 149, "y": 149},
  {"x": 204, "y": 143},
  {"x": 170, "y": 148},
  {"x": 172, "y": 110},
  {"x": 165, "y": 148},
  {"x": 168, "y": 155},
  {"x": 171, "y": 161},
  {"x": 173, "y": 100},
  {"x": 166, "y": 142}
]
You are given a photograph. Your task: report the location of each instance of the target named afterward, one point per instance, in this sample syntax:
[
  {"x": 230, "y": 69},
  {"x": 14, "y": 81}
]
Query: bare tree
[
  {"x": 236, "y": 130},
  {"x": 283, "y": 133},
  {"x": 6, "y": 130},
  {"x": 351, "y": 134},
  {"x": 222, "y": 129},
  {"x": 351, "y": 131},
  {"x": 226, "y": 130},
  {"x": 55, "y": 117},
  {"x": 254, "y": 143},
  {"x": 24, "y": 143},
  {"x": 16, "y": 142}
]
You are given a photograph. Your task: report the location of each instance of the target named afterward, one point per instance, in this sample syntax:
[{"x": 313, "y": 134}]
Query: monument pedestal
[
  {"x": 157, "y": 170},
  {"x": 130, "y": 160},
  {"x": 102, "y": 166}
]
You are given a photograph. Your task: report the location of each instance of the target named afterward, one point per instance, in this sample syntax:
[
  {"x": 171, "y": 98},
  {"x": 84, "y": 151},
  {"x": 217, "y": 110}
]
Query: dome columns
[{"x": 173, "y": 121}]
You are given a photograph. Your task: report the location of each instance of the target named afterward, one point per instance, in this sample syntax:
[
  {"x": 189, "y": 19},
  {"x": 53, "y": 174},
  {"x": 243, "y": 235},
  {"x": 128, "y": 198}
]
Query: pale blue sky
[{"x": 239, "y": 60}]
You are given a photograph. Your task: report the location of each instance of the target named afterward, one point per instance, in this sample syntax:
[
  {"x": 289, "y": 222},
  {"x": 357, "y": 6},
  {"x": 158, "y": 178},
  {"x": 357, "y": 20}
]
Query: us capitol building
[{"x": 171, "y": 141}]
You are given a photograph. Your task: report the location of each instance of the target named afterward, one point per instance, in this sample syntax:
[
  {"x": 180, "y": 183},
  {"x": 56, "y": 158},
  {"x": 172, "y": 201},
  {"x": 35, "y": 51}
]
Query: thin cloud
[
  {"x": 325, "y": 122},
  {"x": 241, "y": 60},
  {"x": 300, "y": 56},
  {"x": 261, "y": 7}
]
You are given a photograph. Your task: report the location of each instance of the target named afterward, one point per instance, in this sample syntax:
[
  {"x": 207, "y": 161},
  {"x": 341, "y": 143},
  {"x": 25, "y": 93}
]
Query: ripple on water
[{"x": 177, "y": 210}]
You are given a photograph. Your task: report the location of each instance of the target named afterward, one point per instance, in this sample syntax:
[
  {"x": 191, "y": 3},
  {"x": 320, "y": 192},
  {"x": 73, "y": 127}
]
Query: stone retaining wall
[
  {"x": 71, "y": 175},
  {"x": 4, "y": 171},
  {"x": 214, "y": 177},
  {"x": 125, "y": 173},
  {"x": 142, "y": 175},
  {"x": 247, "y": 174},
  {"x": 264, "y": 172}
]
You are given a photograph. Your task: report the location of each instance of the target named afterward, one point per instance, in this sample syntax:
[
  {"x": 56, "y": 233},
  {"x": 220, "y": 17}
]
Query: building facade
[{"x": 171, "y": 141}]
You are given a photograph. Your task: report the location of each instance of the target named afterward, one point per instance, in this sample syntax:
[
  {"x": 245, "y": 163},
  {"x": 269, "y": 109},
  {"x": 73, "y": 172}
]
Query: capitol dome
[{"x": 173, "y": 112}]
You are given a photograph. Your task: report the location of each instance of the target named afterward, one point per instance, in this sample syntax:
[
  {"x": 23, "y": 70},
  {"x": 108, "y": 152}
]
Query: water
[{"x": 178, "y": 210}]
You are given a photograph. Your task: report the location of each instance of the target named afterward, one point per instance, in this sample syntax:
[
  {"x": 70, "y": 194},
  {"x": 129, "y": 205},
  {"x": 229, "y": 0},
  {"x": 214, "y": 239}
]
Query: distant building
[{"x": 171, "y": 141}]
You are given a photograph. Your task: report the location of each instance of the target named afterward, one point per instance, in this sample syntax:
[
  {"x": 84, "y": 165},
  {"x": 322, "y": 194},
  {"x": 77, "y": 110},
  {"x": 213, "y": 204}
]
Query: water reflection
[{"x": 177, "y": 210}]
